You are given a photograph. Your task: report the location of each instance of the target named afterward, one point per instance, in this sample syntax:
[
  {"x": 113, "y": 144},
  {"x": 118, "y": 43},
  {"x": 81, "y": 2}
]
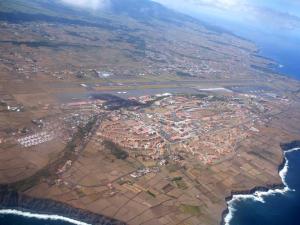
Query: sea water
[
  {"x": 16, "y": 217},
  {"x": 286, "y": 57},
  {"x": 275, "y": 207}
]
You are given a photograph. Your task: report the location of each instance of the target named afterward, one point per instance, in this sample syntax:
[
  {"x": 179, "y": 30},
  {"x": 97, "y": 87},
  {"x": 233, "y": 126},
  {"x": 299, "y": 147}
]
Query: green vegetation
[
  {"x": 180, "y": 183},
  {"x": 122, "y": 181},
  {"x": 49, "y": 44},
  {"x": 115, "y": 150},
  {"x": 190, "y": 209},
  {"x": 183, "y": 74},
  {"x": 3, "y": 104},
  {"x": 174, "y": 179},
  {"x": 151, "y": 193},
  {"x": 200, "y": 96},
  {"x": 217, "y": 98},
  {"x": 80, "y": 193},
  {"x": 172, "y": 167}
]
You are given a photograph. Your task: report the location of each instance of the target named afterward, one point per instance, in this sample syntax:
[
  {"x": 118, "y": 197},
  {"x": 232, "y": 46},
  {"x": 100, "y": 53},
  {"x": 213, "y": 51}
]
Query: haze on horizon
[
  {"x": 274, "y": 13},
  {"x": 268, "y": 17},
  {"x": 274, "y": 25}
]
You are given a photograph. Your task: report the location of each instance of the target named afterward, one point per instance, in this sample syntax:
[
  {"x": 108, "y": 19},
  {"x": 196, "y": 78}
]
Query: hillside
[{"x": 129, "y": 38}]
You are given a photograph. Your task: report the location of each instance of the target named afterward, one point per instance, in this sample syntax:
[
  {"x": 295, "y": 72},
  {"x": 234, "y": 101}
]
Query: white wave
[
  {"x": 40, "y": 216},
  {"x": 163, "y": 94},
  {"x": 258, "y": 196},
  {"x": 215, "y": 89}
]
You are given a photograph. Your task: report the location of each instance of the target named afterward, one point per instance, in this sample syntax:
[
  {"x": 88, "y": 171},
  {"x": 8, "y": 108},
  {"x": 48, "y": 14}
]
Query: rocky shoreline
[
  {"x": 22, "y": 202},
  {"x": 284, "y": 147},
  {"x": 14, "y": 200}
]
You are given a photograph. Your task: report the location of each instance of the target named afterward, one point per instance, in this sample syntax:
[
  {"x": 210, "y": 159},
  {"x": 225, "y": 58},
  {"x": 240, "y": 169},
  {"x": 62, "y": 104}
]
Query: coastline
[
  {"x": 256, "y": 193},
  {"x": 40, "y": 216},
  {"x": 17, "y": 203},
  {"x": 21, "y": 204}
]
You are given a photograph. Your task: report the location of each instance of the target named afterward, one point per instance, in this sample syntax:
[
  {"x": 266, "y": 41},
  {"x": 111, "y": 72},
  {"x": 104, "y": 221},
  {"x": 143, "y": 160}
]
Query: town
[{"x": 205, "y": 126}]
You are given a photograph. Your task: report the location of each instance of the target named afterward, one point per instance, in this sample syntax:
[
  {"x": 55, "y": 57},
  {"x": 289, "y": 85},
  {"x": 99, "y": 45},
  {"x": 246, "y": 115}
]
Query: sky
[
  {"x": 89, "y": 4},
  {"x": 277, "y": 14}
]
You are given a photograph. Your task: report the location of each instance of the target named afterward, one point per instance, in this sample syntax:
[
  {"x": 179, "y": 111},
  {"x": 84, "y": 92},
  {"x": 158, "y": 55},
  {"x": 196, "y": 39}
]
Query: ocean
[
  {"x": 286, "y": 57},
  {"x": 275, "y": 207},
  {"x": 281, "y": 46},
  {"x": 15, "y": 217},
  {"x": 276, "y": 43}
]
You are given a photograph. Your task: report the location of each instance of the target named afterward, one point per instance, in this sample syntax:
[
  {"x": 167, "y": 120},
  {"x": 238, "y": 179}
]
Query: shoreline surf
[
  {"x": 18, "y": 204},
  {"x": 40, "y": 216},
  {"x": 258, "y": 194}
]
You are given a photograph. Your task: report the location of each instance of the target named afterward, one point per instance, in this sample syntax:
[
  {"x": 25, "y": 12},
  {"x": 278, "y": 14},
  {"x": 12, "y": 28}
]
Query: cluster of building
[
  {"x": 67, "y": 165},
  {"x": 187, "y": 58},
  {"x": 88, "y": 105},
  {"x": 134, "y": 136},
  {"x": 144, "y": 171},
  {"x": 63, "y": 126},
  {"x": 36, "y": 139},
  {"x": 207, "y": 127},
  {"x": 190, "y": 59}
]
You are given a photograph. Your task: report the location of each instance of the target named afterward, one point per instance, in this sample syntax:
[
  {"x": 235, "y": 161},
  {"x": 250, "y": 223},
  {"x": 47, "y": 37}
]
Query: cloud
[
  {"x": 273, "y": 13},
  {"x": 222, "y": 4},
  {"x": 89, "y": 4}
]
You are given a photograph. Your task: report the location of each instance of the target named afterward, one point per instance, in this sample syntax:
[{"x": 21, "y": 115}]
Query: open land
[{"x": 143, "y": 126}]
